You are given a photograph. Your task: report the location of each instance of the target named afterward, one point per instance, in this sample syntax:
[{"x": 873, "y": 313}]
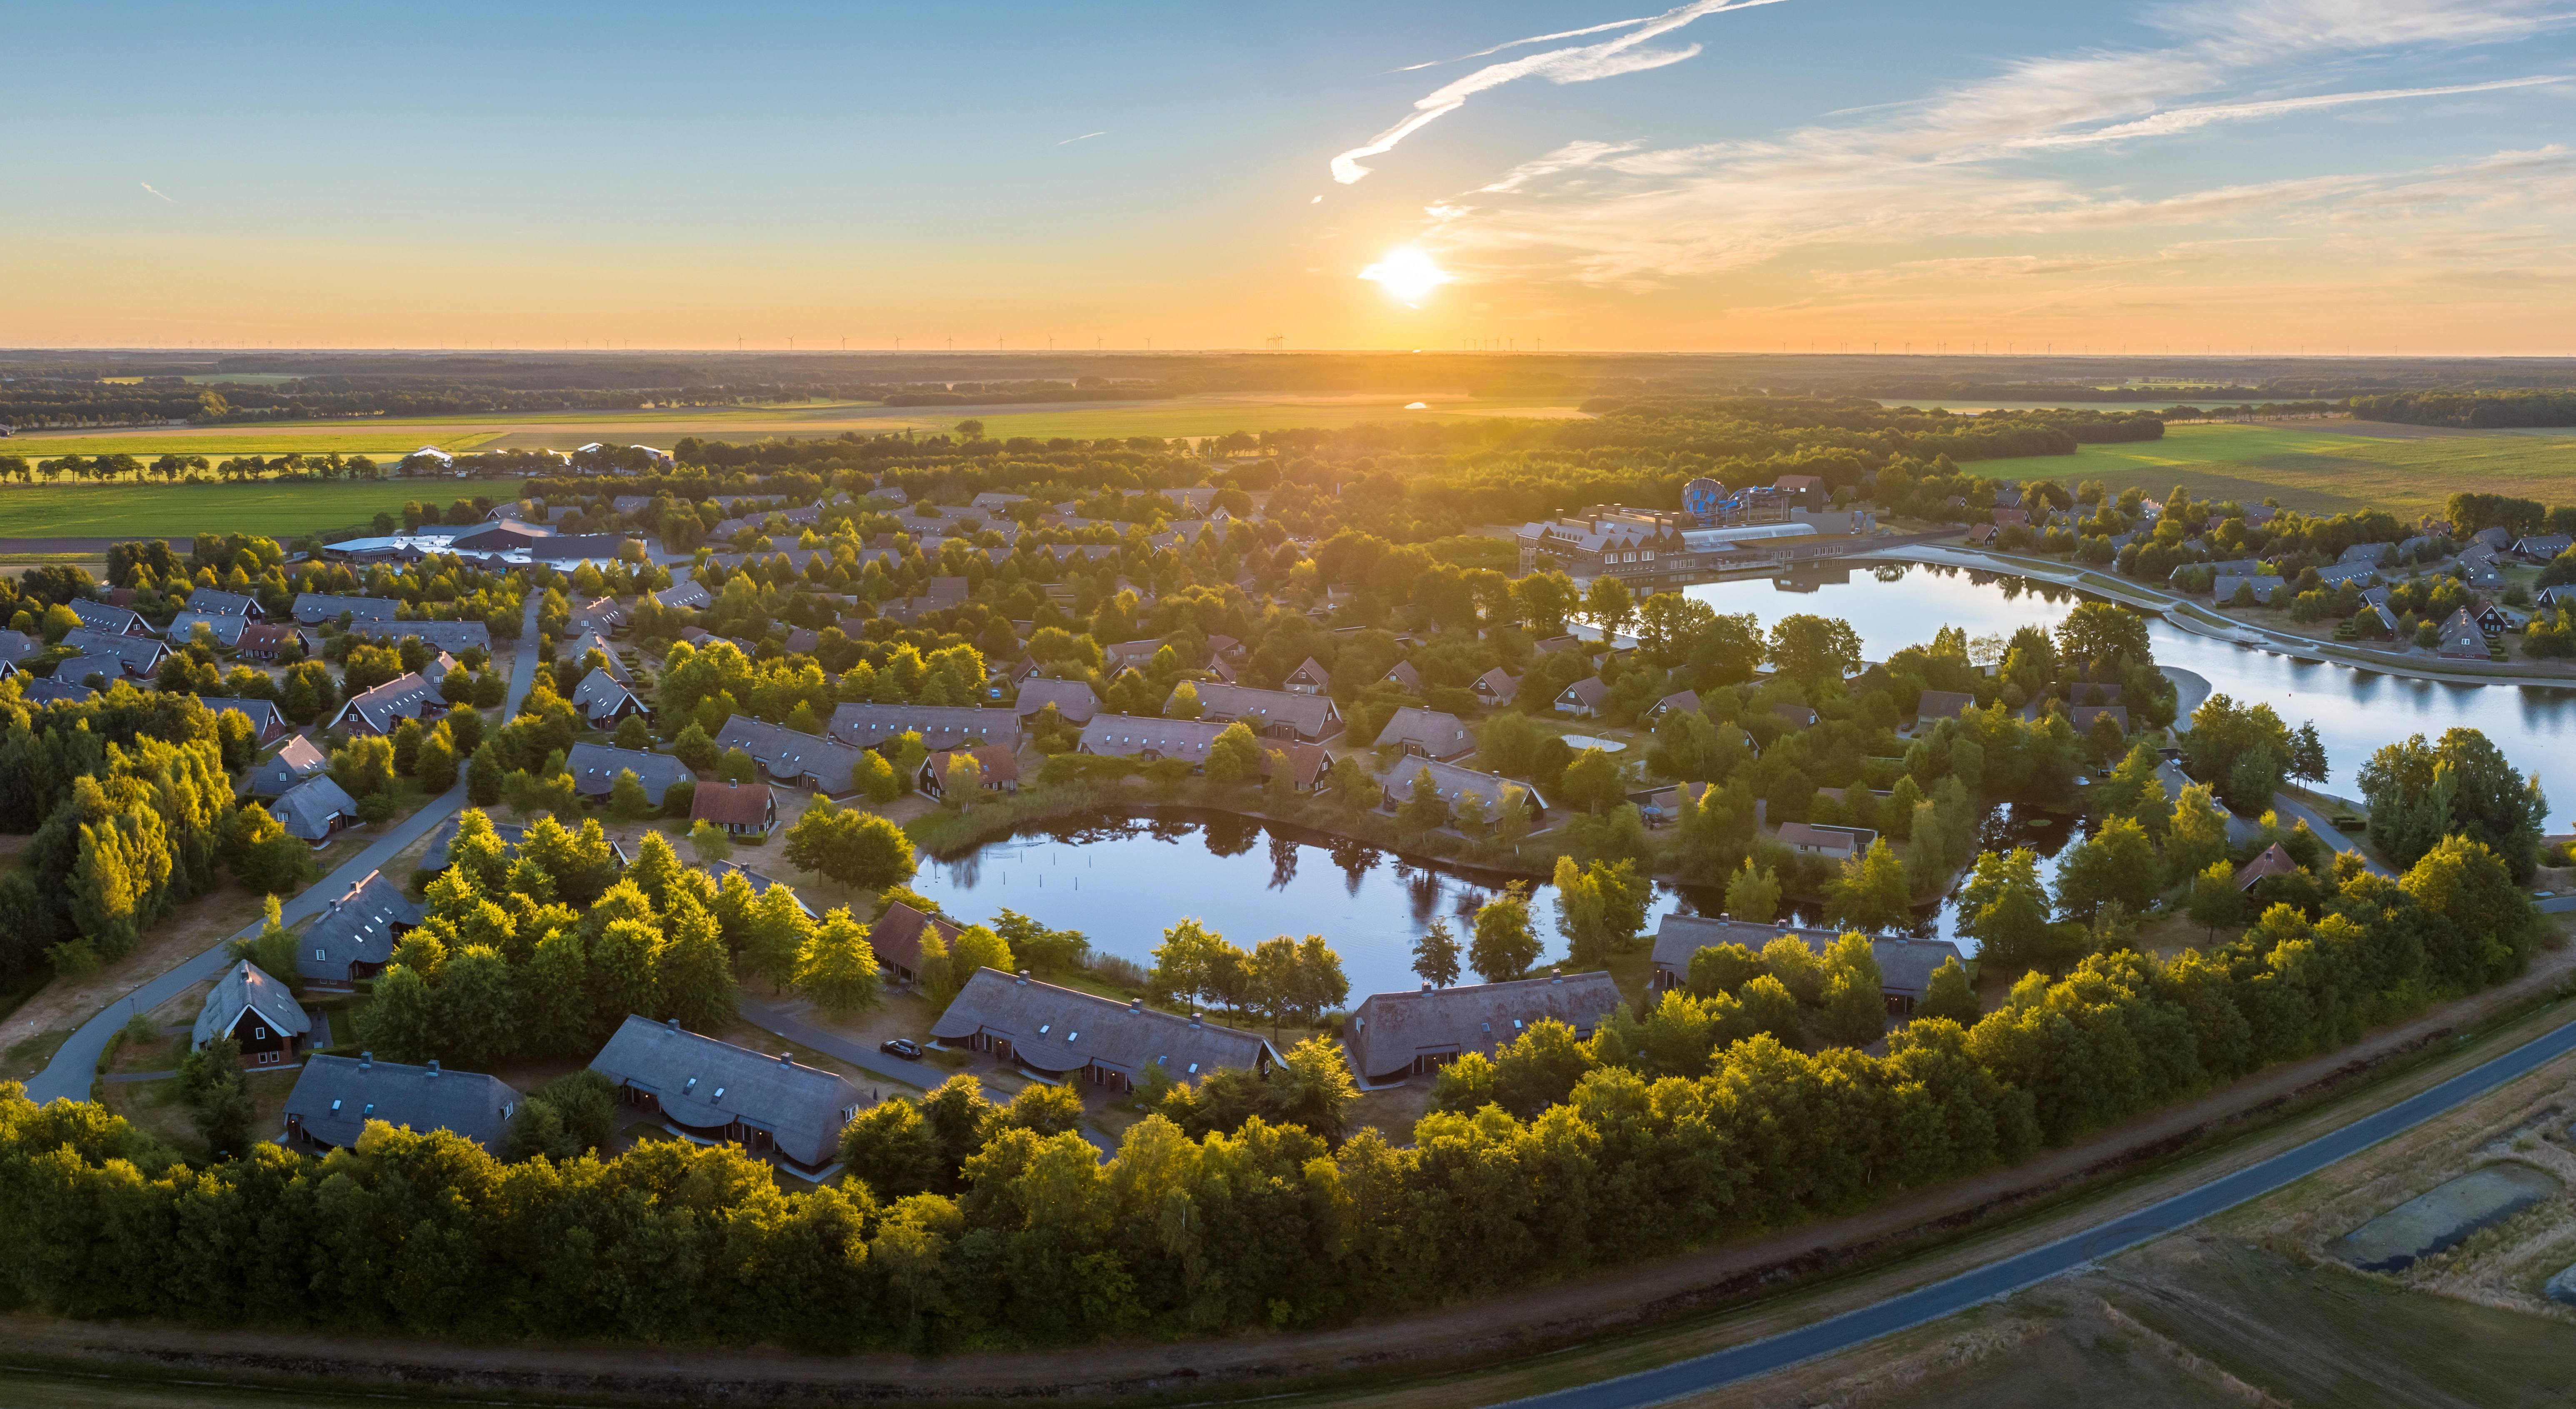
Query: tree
[
  {"x": 2215, "y": 901},
  {"x": 858, "y": 849},
  {"x": 1592, "y": 782},
  {"x": 738, "y": 766},
  {"x": 2117, "y": 862},
  {"x": 1667, "y": 625},
  {"x": 1424, "y": 810},
  {"x": 477, "y": 1006},
  {"x": 400, "y": 1023},
  {"x": 1235, "y": 755},
  {"x": 961, "y": 779},
  {"x": 2463, "y": 785},
  {"x": 1435, "y": 953},
  {"x": 1504, "y": 947},
  {"x": 1580, "y": 916},
  {"x": 1753, "y": 897},
  {"x": 1187, "y": 962},
  {"x": 1948, "y": 996},
  {"x": 1184, "y": 703},
  {"x": 1871, "y": 892},
  {"x": 1855, "y": 1006},
  {"x": 272, "y": 949},
  {"x": 627, "y": 800},
  {"x": 2004, "y": 907},
  {"x": 837, "y": 969},
  {"x": 945, "y": 967},
  {"x": 775, "y": 934},
  {"x": 2096, "y": 632},
  {"x": 695, "y": 749},
  {"x": 434, "y": 767},
  {"x": 1608, "y": 603},
  {"x": 1814, "y": 649},
  {"x": 483, "y": 778},
  {"x": 262, "y": 855},
  {"x": 874, "y": 777},
  {"x": 692, "y": 971}
]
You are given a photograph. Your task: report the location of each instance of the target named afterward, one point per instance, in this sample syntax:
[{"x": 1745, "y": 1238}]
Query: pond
[
  {"x": 1122, "y": 880},
  {"x": 2355, "y": 710}
]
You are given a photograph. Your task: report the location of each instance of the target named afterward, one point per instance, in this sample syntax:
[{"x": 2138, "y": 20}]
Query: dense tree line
[
  {"x": 964, "y": 1225},
  {"x": 2470, "y": 409}
]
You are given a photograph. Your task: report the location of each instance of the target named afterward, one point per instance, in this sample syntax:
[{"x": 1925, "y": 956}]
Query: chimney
[
  {"x": 1135, "y": 1005},
  {"x": 1556, "y": 975},
  {"x": 433, "y": 1066},
  {"x": 366, "y": 1060},
  {"x": 787, "y": 1059},
  {"x": 1024, "y": 975},
  {"x": 672, "y": 1023},
  {"x": 1426, "y": 985}
]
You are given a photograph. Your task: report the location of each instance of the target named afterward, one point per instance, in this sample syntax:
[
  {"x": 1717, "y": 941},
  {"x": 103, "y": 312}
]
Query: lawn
[
  {"x": 162, "y": 511},
  {"x": 220, "y": 443},
  {"x": 2317, "y": 471}
]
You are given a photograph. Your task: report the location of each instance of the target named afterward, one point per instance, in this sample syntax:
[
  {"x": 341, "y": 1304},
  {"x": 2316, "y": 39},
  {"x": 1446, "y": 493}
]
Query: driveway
[{"x": 67, "y": 1077}]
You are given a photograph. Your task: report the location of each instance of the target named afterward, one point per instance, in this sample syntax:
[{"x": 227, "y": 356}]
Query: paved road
[
  {"x": 2068, "y": 1254},
  {"x": 67, "y": 1077}
]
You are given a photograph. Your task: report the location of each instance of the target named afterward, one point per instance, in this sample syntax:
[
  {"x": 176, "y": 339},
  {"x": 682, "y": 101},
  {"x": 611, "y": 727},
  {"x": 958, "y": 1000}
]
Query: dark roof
[
  {"x": 1905, "y": 964},
  {"x": 335, "y": 1097},
  {"x": 356, "y": 928},
  {"x": 137, "y": 654},
  {"x": 2272, "y": 862},
  {"x": 1588, "y": 692},
  {"x": 1435, "y": 732},
  {"x": 308, "y": 807},
  {"x": 594, "y": 769},
  {"x": 1062, "y": 1029},
  {"x": 245, "y": 988},
  {"x": 297, "y": 759},
  {"x": 940, "y": 726},
  {"x": 1311, "y": 716},
  {"x": 1389, "y": 1030},
  {"x": 405, "y": 696},
  {"x": 1943, "y": 704},
  {"x": 710, "y": 1085},
  {"x": 1073, "y": 699},
  {"x": 600, "y": 695},
  {"x": 315, "y": 607},
  {"x": 1134, "y": 735},
  {"x": 790, "y": 757},
  {"x": 445, "y": 635},
  {"x": 896, "y": 935}
]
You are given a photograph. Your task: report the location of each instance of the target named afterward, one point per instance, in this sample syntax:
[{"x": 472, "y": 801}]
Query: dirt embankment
[{"x": 1584, "y": 1312}]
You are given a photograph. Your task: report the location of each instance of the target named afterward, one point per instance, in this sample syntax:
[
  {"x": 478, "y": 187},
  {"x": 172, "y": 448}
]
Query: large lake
[{"x": 1120, "y": 881}]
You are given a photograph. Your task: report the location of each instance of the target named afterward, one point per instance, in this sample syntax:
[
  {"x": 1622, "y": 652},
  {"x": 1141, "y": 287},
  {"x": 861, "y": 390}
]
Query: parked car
[{"x": 903, "y": 1047}]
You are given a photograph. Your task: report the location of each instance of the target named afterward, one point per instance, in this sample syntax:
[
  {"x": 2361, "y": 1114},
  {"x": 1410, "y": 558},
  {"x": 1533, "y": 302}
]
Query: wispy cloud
[
  {"x": 1533, "y": 39},
  {"x": 146, "y": 185},
  {"x": 1580, "y": 64},
  {"x": 1085, "y": 137},
  {"x": 1963, "y": 161},
  {"x": 2003, "y": 266},
  {"x": 2178, "y": 120}
]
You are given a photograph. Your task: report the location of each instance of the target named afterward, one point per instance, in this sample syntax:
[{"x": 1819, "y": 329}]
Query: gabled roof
[
  {"x": 684, "y": 594},
  {"x": 1062, "y": 1029},
  {"x": 99, "y": 616},
  {"x": 2273, "y": 861},
  {"x": 244, "y": 988},
  {"x": 335, "y": 1097},
  {"x": 896, "y": 935},
  {"x": 308, "y": 807},
  {"x": 1133, "y": 735},
  {"x": 732, "y": 804},
  {"x": 312, "y": 608},
  {"x": 227, "y": 630},
  {"x": 356, "y": 928},
  {"x": 1452, "y": 781},
  {"x": 789, "y": 756},
  {"x": 445, "y": 635},
  {"x": 1850, "y": 839},
  {"x": 1685, "y": 701},
  {"x": 1905, "y": 964},
  {"x": 1496, "y": 685},
  {"x": 208, "y": 601},
  {"x": 940, "y": 726},
  {"x": 36, "y": 690},
  {"x": 1944, "y": 704},
  {"x": 297, "y": 759},
  {"x": 1588, "y": 692},
  {"x": 600, "y": 695},
  {"x": 710, "y": 1085},
  {"x": 403, "y": 697},
  {"x": 136, "y": 655},
  {"x": 594, "y": 769},
  {"x": 1389, "y": 1030},
  {"x": 1311, "y": 671},
  {"x": 1433, "y": 732},
  {"x": 1074, "y": 699},
  {"x": 16, "y": 646},
  {"x": 262, "y": 714},
  {"x": 1312, "y": 716}
]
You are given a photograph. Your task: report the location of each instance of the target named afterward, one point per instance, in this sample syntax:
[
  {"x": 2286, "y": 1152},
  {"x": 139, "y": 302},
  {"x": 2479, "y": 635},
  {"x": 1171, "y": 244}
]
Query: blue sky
[{"x": 2269, "y": 173}]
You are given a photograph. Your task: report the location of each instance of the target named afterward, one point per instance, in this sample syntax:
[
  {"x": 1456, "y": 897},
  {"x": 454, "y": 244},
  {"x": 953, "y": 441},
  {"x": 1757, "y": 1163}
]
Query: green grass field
[
  {"x": 187, "y": 510},
  {"x": 2317, "y": 471},
  {"x": 389, "y": 443},
  {"x": 1214, "y": 416}
]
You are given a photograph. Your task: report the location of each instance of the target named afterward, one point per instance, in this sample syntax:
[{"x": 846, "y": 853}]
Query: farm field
[
  {"x": 187, "y": 510},
  {"x": 564, "y": 430},
  {"x": 2317, "y": 471},
  {"x": 384, "y": 443}
]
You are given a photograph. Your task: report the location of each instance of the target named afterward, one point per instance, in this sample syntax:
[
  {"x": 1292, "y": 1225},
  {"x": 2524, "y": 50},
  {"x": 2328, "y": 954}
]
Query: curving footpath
[
  {"x": 67, "y": 1077},
  {"x": 2068, "y": 1254}
]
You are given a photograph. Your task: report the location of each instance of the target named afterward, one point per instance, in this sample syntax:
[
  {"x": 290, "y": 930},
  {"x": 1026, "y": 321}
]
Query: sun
[{"x": 1408, "y": 275}]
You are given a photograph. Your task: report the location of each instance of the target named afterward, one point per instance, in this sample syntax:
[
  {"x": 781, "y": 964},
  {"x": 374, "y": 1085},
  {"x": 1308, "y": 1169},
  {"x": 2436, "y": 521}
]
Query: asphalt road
[
  {"x": 2068, "y": 1254},
  {"x": 67, "y": 1077}
]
